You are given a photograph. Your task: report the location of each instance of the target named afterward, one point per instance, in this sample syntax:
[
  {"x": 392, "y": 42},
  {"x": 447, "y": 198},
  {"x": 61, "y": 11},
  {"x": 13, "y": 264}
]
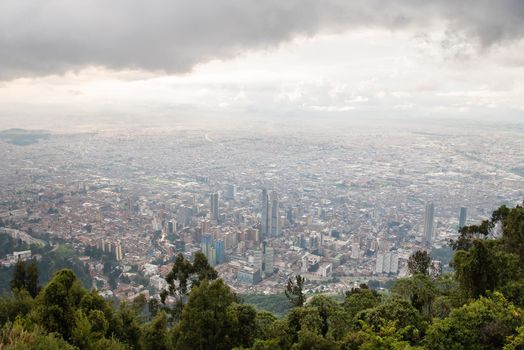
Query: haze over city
[{"x": 328, "y": 139}]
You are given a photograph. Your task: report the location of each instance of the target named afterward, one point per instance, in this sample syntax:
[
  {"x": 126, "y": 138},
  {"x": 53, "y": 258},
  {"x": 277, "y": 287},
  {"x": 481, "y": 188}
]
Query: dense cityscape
[
  {"x": 261, "y": 206},
  {"x": 262, "y": 175}
]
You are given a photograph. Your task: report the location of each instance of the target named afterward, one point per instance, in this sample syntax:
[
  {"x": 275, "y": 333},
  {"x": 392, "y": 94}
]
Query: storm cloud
[{"x": 172, "y": 36}]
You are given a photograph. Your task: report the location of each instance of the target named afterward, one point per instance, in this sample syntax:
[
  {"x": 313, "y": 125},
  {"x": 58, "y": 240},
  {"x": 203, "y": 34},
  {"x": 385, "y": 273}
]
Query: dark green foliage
[
  {"x": 484, "y": 267},
  {"x": 183, "y": 272},
  {"x": 277, "y": 304},
  {"x": 483, "y": 324},
  {"x": 399, "y": 311},
  {"x": 53, "y": 259},
  {"x": 18, "y": 305},
  {"x": 359, "y": 299},
  {"x": 419, "y": 290},
  {"x": 295, "y": 291},
  {"x": 202, "y": 270},
  {"x": 56, "y": 303},
  {"x": 31, "y": 279},
  {"x": 15, "y": 337},
  {"x": 25, "y": 276},
  {"x": 242, "y": 319},
  {"x": 18, "y": 281},
  {"x": 516, "y": 342},
  {"x": 419, "y": 263},
  {"x": 155, "y": 334},
  {"x": 180, "y": 272},
  {"x": 204, "y": 321}
]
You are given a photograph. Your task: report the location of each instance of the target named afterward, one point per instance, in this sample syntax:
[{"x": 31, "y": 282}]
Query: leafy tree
[
  {"x": 19, "y": 280},
  {"x": 271, "y": 344},
  {"x": 204, "y": 321},
  {"x": 419, "y": 290},
  {"x": 359, "y": 299},
  {"x": 202, "y": 269},
  {"x": 127, "y": 326},
  {"x": 484, "y": 267},
  {"x": 20, "y": 304},
  {"x": 56, "y": 303},
  {"x": 325, "y": 307},
  {"x": 180, "y": 273},
  {"x": 516, "y": 342},
  {"x": 16, "y": 337},
  {"x": 155, "y": 336},
  {"x": 512, "y": 229},
  {"x": 419, "y": 263},
  {"x": 31, "y": 279},
  {"x": 25, "y": 276},
  {"x": 397, "y": 310},
  {"x": 302, "y": 319},
  {"x": 294, "y": 291},
  {"x": 483, "y": 324},
  {"x": 81, "y": 332},
  {"x": 389, "y": 337},
  {"x": 242, "y": 320},
  {"x": 264, "y": 322},
  {"x": 184, "y": 273},
  {"x": 308, "y": 340},
  {"x": 111, "y": 343},
  {"x": 513, "y": 291}
]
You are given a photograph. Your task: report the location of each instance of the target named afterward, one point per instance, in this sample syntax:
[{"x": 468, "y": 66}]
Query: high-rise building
[
  {"x": 386, "y": 263},
  {"x": 275, "y": 215},
  {"x": 214, "y": 206},
  {"x": 379, "y": 263},
  {"x": 394, "y": 263},
  {"x": 266, "y": 214},
  {"x": 428, "y": 222},
  {"x": 220, "y": 254},
  {"x": 118, "y": 252},
  {"x": 258, "y": 260},
  {"x": 355, "y": 250},
  {"x": 185, "y": 215},
  {"x": 171, "y": 226},
  {"x": 231, "y": 191},
  {"x": 462, "y": 217},
  {"x": 263, "y": 259},
  {"x": 204, "y": 226},
  {"x": 207, "y": 247},
  {"x": 269, "y": 256}
]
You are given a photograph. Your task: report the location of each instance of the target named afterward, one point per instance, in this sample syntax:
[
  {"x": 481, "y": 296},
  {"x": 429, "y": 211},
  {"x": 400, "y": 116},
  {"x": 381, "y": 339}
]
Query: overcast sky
[{"x": 96, "y": 60}]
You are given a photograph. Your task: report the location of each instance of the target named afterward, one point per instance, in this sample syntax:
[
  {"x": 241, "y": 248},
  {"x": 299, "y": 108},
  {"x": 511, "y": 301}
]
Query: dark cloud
[{"x": 54, "y": 36}]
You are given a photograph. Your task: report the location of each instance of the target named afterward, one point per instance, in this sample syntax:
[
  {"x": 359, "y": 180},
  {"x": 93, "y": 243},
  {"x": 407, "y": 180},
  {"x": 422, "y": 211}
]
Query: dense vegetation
[
  {"x": 477, "y": 307},
  {"x": 53, "y": 259},
  {"x": 277, "y": 304}
]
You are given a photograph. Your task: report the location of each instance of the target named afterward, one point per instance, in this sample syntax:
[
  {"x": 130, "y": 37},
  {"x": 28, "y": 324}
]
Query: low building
[{"x": 248, "y": 275}]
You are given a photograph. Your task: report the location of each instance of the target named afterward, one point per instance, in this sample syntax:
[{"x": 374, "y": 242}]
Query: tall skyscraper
[
  {"x": 207, "y": 246},
  {"x": 220, "y": 254},
  {"x": 462, "y": 217},
  {"x": 118, "y": 252},
  {"x": 258, "y": 260},
  {"x": 266, "y": 214},
  {"x": 204, "y": 226},
  {"x": 269, "y": 257},
  {"x": 428, "y": 222},
  {"x": 214, "y": 206},
  {"x": 231, "y": 191},
  {"x": 263, "y": 259},
  {"x": 275, "y": 215}
]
